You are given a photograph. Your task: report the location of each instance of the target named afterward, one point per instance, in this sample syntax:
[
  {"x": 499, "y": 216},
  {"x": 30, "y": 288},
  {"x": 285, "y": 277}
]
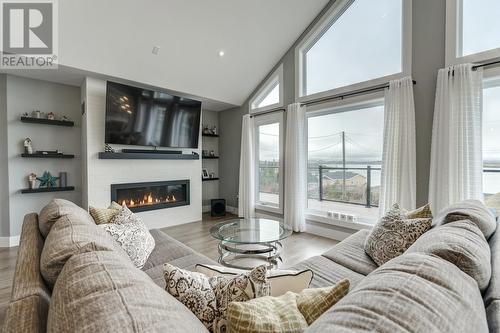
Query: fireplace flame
[{"x": 147, "y": 200}]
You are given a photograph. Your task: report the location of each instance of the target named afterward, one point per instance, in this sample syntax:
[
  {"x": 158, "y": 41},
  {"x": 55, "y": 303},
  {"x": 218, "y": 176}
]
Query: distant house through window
[
  {"x": 270, "y": 96},
  {"x": 344, "y": 159}
]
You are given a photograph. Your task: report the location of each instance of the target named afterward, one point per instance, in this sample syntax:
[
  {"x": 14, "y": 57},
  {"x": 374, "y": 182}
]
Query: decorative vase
[{"x": 63, "y": 179}]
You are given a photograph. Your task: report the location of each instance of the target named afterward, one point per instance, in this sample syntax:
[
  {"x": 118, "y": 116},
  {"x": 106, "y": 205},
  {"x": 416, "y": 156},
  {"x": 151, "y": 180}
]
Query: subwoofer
[{"x": 218, "y": 207}]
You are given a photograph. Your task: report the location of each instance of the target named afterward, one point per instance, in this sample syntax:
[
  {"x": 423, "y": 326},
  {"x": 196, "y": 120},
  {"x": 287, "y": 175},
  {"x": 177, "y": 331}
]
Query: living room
[{"x": 249, "y": 166}]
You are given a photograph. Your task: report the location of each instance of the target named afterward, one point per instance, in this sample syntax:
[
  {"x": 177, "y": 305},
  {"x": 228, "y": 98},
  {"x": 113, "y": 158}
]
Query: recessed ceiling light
[
  {"x": 222, "y": 53},
  {"x": 155, "y": 50}
]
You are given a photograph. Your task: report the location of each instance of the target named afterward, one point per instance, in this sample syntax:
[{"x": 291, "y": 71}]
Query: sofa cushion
[
  {"x": 493, "y": 291},
  {"x": 415, "y": 292},
  {"x": 102, "y": 291},
  {"x": 166, "y": 250},
  {"x": 394, "y": 234},
  {"x": 462, "y": 244},
  {"x": 70, "y": 235},
  {"x": 327, "y": 272},
  {"x": 493, "y": 315},
  {"x": 473, "y": 210},
  {"x": 351, "y": 254},
  {"x": 57, "y": 208}
]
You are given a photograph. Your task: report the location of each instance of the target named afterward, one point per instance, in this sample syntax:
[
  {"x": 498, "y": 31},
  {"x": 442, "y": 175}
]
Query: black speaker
[{"x": 218, "y": 207}]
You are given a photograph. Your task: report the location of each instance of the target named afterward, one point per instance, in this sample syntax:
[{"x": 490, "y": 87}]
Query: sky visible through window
[
  {"x": 364, "y": 43},
  {"x": 268, "y": 157},
  {"x": 272, "y": 98},
  {"x": 491, "y": 146},
  {"x": 480, "y": 26}
]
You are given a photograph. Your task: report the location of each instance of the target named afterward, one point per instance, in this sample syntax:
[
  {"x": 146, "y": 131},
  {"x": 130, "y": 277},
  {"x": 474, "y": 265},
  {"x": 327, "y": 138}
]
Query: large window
[
  {"x": 357, "y": 42},
  {"x": 345, "y": 158},
  {"x": 269, "y": 168},
  {"x": 270, "y": 96},
  {"x": 472, "y": 30},
  {"x": 491, "y": 145}
]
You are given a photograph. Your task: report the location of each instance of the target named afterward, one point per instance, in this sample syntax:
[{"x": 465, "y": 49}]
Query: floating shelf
[
  {"x": 210, "y": 157},
  {"x": 48, "y": 189},
  {"x": 144, "y": 156},
  {"x": 44, "y": 121},
  {"x": 38, "y": 155},
  {"x": 209, "y": 179},
  {"x": 210, "y": 135}
]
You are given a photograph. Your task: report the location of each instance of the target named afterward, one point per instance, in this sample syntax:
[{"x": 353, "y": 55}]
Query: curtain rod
[
  {"x": 349, "y": 94},
  {"x": 486, "y": 64},
  {"x": 267, "y": 112}
]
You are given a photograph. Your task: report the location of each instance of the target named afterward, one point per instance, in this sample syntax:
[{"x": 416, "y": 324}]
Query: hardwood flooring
[{"x": 196, "y": 235}]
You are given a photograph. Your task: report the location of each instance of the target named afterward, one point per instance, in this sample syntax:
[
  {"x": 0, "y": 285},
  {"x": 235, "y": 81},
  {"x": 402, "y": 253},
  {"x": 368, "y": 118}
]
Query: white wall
[
  {"x": 24, "y": 95},
  {"x": 102, "y": 173},
  {"x": 4, "y": 165}
]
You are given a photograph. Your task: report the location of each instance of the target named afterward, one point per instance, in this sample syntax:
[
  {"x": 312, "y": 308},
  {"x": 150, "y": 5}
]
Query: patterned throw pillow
[
  {"x": 423, "y": 212},
  {"x": 104, "y": 215},
  {"x": 208, "y": 297},
  {"x": 394, "y": 234},
  {"x": 133, "y": 236},
  {"x": 287, "y": 313}
]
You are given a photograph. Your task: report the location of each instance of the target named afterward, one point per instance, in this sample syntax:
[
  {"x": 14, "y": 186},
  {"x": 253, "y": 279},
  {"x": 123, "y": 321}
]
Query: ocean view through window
[{"x": 345, "y": 160}]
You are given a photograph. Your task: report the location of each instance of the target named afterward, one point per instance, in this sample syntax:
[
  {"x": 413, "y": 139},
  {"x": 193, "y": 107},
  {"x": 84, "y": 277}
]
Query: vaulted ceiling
[{"x": 116, "y": 38}]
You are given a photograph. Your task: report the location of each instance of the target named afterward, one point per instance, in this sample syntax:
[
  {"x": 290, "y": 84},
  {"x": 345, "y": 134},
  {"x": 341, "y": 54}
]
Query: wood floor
[{"x": 195, "y": 235}]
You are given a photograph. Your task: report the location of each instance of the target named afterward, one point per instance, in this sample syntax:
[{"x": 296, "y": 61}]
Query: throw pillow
[
  {"x": 423, "y": 212},
  {"x": 290, "y": 312},
  {"x": 394, "y": 234},
  {"x": 280, "y": 281},
  {"x": 104, "y": 215},
  {"x": 133, "y": 236},
  {"x": 208, "y": 297}
]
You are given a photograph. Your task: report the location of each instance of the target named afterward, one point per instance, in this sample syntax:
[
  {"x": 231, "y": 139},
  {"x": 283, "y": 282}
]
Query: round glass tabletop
[{"x": 250, "y": 231}]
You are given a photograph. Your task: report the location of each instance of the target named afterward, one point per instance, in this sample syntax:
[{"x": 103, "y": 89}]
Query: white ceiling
[{"x": 116, "y": 37}]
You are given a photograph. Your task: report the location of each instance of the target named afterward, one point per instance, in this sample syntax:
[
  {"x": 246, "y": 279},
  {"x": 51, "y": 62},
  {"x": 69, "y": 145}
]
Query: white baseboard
[{"x": 9, "y": 241}]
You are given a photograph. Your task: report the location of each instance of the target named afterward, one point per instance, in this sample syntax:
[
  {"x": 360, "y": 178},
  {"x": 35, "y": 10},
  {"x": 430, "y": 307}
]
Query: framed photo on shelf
[{"x": 204, "y": 174}]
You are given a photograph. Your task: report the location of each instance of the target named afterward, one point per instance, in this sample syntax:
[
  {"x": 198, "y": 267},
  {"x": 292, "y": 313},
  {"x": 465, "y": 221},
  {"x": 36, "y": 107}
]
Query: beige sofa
[{"x": 430, "y": 288}]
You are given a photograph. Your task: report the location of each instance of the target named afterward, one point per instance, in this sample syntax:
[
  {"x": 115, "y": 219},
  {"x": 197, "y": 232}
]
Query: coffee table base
[{"x": 269, "y": 253}]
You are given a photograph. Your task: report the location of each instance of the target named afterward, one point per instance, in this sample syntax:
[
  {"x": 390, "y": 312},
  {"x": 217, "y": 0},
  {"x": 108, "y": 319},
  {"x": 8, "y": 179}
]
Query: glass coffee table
[{"x": 255, "y": 239}]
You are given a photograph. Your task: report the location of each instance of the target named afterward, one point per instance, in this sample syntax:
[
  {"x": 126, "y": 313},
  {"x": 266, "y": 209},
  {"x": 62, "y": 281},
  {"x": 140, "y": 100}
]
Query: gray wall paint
[
  {"x": 4, "y": 165},
  {"x": 24, "y": 95},
  {"x": 428, "y": 56},
  {"x": 210, "y": 190}
]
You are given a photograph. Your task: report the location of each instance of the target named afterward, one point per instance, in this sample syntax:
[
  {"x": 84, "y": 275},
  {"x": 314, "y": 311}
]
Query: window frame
[
  {"x": 454, "y": 38},
  {"x": 332, "y": 107},
  {"x": 320, "y": 28},
  {"x": 267, "y": 119},
  {"x": 275, "y": 78}
]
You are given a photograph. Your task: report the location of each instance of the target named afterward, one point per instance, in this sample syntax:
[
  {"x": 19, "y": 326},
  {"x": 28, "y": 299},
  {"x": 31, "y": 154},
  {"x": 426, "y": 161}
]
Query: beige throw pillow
[
  {"x": 104, "y": 215},
  {"x": 209, "y": 297},
  {"x": 290, "y": 312},
  {"x": 394, "y": 234}
]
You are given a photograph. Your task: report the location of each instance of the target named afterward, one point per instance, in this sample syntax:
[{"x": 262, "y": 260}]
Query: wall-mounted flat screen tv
[{"x": 141, "y": 117}]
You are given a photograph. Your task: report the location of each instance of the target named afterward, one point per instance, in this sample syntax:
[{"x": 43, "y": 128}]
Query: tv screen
[{"x": 141, "y": 117}]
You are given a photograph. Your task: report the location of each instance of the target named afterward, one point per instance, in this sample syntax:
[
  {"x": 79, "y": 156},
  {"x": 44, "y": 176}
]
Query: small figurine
[
  {"x": 26, "y": 114},
  {"x": 51, "y": 116},
  {"x": 109, "y": 149},
  {"x": 47, "y": 180},
  {"x": 32, "y": 180},
  {"x": 212, "y": 153},
  {"x": 36, "y": 114},
  {"x": 28, "y": 146},
  {"x": 214, "y": 130},
  {"x": 65, "y": 118}
]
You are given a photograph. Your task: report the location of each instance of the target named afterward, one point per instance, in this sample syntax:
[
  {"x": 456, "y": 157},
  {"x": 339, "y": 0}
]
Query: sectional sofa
[{"x": 71, "y": 277}]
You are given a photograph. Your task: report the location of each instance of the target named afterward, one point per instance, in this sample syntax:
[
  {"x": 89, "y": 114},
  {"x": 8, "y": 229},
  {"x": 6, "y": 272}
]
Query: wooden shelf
[
  {"x": 147, "y": 156},
  {"x": 210, "y": 135},
  {"x": 48, "y": 189},
  {"x": 38, "y": 155},
  {"x": 210, "y": 157},
  {"x": 209, "y": 179},
  {"x": 44, "y": 121}
]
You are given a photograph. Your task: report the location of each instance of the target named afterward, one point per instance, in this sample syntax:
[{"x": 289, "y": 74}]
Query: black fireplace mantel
[{"x": 146, "y": 196}]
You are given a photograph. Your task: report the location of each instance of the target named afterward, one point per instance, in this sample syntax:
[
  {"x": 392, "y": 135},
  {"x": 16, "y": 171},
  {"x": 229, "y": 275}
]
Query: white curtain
[
  {"x": 295, "y": 168},
  {"x": 456, "y": 160},
  {"x": 246, "y": 192},
  {"x": 398, "y": 181}
]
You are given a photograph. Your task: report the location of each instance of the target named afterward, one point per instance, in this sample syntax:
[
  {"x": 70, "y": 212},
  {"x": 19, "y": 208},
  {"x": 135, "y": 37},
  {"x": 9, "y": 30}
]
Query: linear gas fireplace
[{"x": 140, "y": 197}]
